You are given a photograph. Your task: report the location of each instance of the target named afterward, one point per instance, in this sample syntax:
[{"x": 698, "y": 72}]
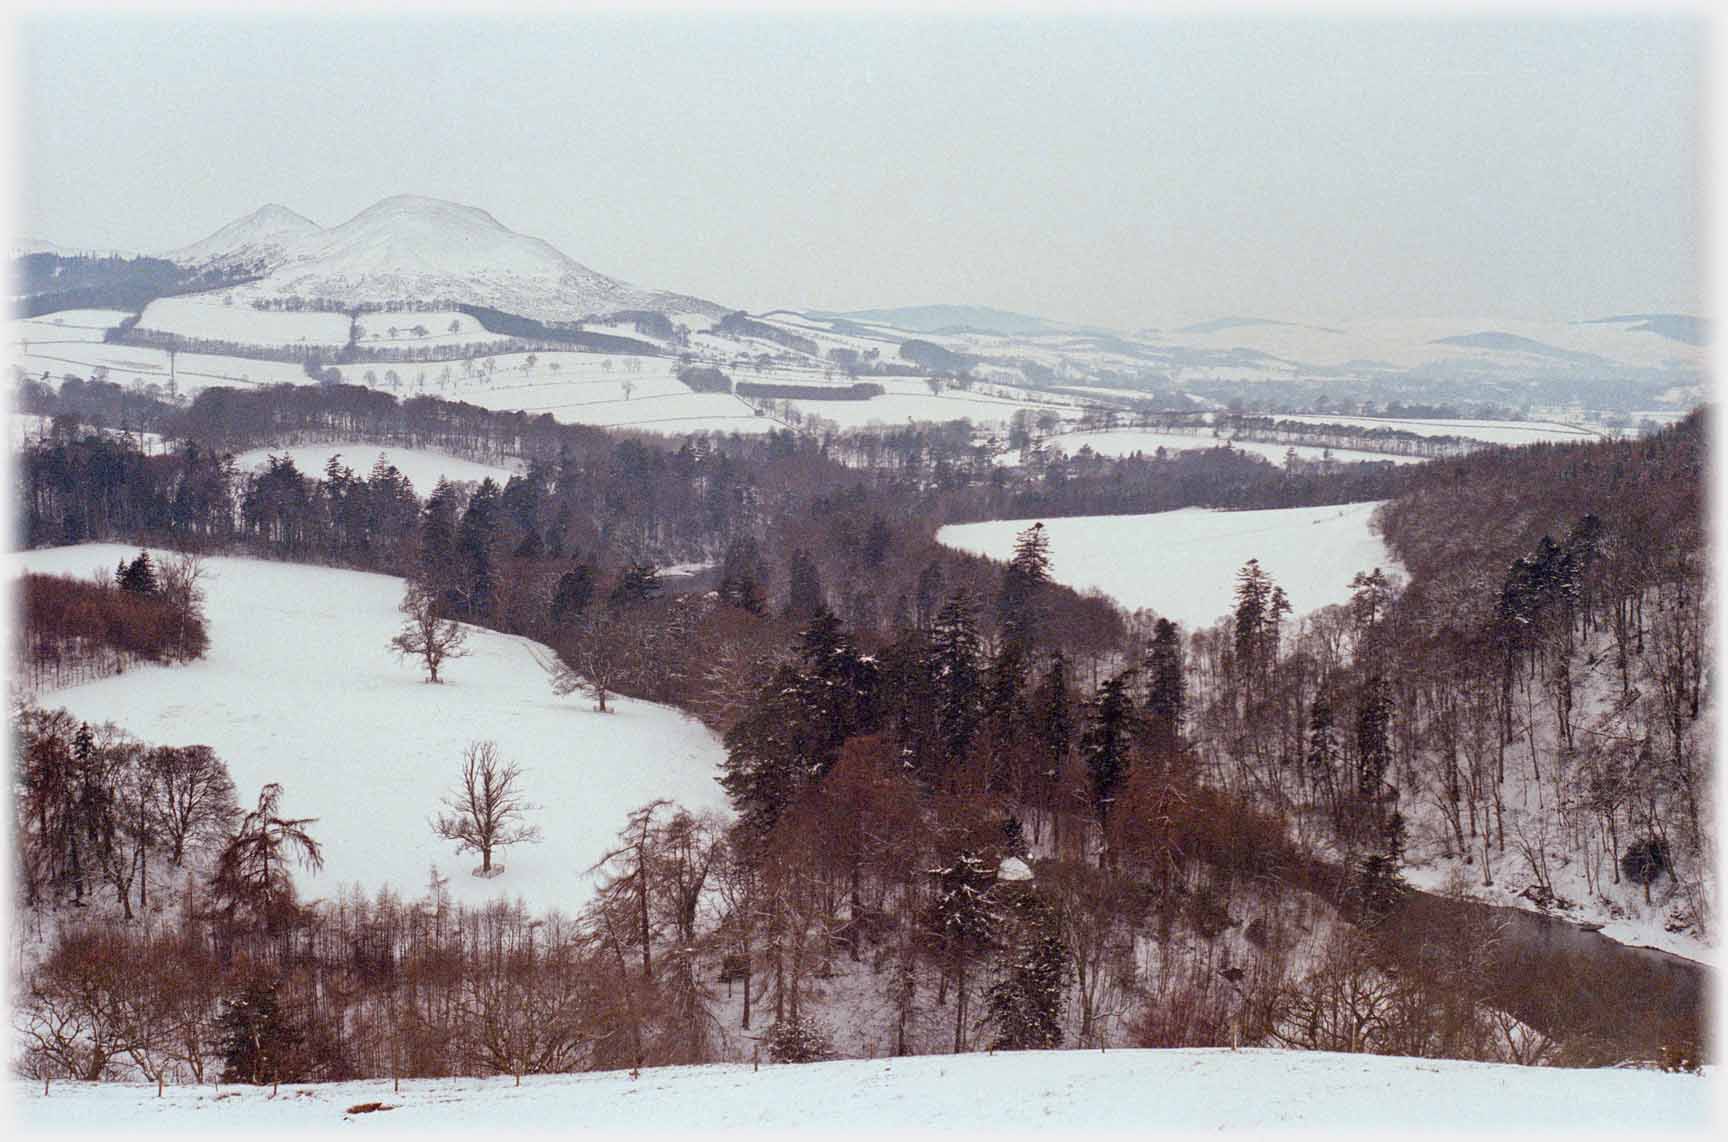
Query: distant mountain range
[
  {"x": 412, "y": 248},
  {"x": 950, "y": 319}
]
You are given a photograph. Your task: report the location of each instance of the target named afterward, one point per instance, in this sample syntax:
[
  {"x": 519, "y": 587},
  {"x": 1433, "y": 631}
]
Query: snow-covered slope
[
  {"x": 1183, "y": 564},
  {"x": 1049, "y": 1093},
  {"x": 413, "y": 248},
  {"x": 423, "y": 466},
  {"x": 299, "y": 687},
  {"x": 260, "y": 237}
]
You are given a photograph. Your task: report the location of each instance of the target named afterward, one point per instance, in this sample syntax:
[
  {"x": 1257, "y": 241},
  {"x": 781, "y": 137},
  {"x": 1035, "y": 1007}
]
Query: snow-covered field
[
  {"x": 1183, "y": 564},
  {"x": 443, "y": 328},
  {"x": 1488, "y": 431},
  {"x": 130, "y": 365},
  {"x": 1051, "y": 1093},
  {"x": 204, "y": 315},
  {"x": 423, "y": 467},
  {"x": 300, "y": 687},
  {"x": 904, "y": 402},
  {"x": 65, "y": 325},
  {"x": 1127, "y": 441}
]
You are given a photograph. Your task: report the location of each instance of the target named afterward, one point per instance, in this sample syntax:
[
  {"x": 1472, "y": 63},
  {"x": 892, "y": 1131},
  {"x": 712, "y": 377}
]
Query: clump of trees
[{"x": 70, "y": 630}]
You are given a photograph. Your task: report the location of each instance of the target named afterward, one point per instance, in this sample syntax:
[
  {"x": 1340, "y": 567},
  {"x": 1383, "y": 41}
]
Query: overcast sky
[{"x": 1128, "y": 171}]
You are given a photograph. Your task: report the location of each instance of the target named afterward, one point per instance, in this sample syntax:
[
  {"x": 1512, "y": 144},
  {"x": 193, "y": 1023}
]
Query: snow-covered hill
[
  {"x": 261, "y": 237},
  {"x": 410, "y": 248},
  {"x": 299, "y": 687},
  {"x": 1054, "y": 1093}
]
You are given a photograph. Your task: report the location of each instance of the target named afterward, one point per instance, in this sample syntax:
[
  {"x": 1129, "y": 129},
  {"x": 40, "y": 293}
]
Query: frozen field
[
  {"x": 1488, "y": 431},
  {"x": 300, "y": 687},
  {"x": 1183, "y": 564},
  {"x": 65, "y": 326},
  {"x": 443, "y": 328},
  {"x": 1130, "y": 1093},
  {"x": 1127, "y": 441},
  {"x": 204, "y": 316},
  {"x": 130, "y": 365},
  {"x": 423, "y": 467}
]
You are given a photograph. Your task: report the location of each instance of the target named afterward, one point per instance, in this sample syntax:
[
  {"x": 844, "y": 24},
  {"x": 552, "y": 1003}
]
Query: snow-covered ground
[
  {"x": 1051, "y": 1093},
  {"x": 1488, "y": 431},
  {"x": 904, "y": 401},
  {"x": 65, "y": 325},
  {"x": 1183, "y": 564},
  {"x": 423, "y": 466},
  {"x": 148, "y": 369},
  {"x": 299, "y": 687},
  {"x": 1127, "y": 441},
  {"x": 205, "y": 316},
  {"x": 389, "y": 330}
]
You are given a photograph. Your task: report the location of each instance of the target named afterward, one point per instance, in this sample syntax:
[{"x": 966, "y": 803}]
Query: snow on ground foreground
[
  {"x": 423, "y": 466},
  {"x": 1183, "y": 564},
  {"x": 1046, "y": 1092},
  {"x": 299, "y": 687}
]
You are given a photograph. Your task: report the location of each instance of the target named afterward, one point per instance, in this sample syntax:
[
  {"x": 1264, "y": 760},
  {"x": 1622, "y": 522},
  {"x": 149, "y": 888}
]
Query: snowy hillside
[
  {"x": 1183, "y": 564},
  {"x": 423, "y": 467},
  {"x": 1128, "y": 441},
  {"x": 1054, "y": 1093},
  {"x": 261, "y": 236},
  {"x": 413, "y": 248},
  {"x": 299, "y": 687}
]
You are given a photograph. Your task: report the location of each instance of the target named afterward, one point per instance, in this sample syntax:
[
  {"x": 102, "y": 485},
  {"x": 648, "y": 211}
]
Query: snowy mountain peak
[
  {"x": 414, "y": 247},
  {"x": 415, "y": 234},
  {"x": 262, "y": 235}
]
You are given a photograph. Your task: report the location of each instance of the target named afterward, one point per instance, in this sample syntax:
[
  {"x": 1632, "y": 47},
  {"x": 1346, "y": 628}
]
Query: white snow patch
[
  {"x": 1056, "y": 1093},
  {"x": 1183, "y": 564},
  {"x": 300, "y": 687},
  {"x": 423, "y": 466}
]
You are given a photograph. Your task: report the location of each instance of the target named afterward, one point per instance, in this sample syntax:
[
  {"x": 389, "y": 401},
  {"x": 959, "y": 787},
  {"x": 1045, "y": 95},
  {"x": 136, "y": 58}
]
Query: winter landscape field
[
  {"x": 771, "y": 576},
  {"x": 300, "y": 687},
  {"x": 1186, "y": 1092},
  {"x": 1182, "y": 565}
]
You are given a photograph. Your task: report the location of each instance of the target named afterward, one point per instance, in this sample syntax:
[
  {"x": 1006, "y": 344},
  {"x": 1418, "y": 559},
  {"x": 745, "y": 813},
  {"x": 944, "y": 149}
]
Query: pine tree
[
  {"x": 258, "y": 1041},
  {"x": 1106, "y": 746},
  {"x": 476, "y": 540},
  {"x": 138, "y": 576},
  {"x": 1055, "y": 729},
  {"x": 1323, "y": 749},
  {"x": 1166, "y": 690},
  {"x": 964, "y": 922},
  {"x": 955, "y": 653},
  {"x": 929, "y": 597},
  {"x": 1025, "y": 1004},
  {"x": 1027, "y": 572},
  {"x": 574, "y": 592},
  {"x": 742, "y": 576},
  {"x": 805, "y": 595},
  {"x": 437, "y": 562}
]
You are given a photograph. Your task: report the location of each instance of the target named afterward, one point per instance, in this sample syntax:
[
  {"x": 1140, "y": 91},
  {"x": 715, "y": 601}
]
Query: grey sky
[{"x": 1126, "y": 171}]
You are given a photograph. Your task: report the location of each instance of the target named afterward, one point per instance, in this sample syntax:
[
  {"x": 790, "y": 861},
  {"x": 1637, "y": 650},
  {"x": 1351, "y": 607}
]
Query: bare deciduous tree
[
  {"x": 488, "y": 810},
  {"x": 426, "y": 636}
]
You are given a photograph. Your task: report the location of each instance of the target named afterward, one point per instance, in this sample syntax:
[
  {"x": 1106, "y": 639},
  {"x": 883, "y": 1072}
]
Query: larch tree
[{"x": 252, "y": 873}]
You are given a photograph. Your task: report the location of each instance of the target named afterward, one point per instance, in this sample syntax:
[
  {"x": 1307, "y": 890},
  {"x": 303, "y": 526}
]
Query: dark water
[{"x": 1609, "y": 999}]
